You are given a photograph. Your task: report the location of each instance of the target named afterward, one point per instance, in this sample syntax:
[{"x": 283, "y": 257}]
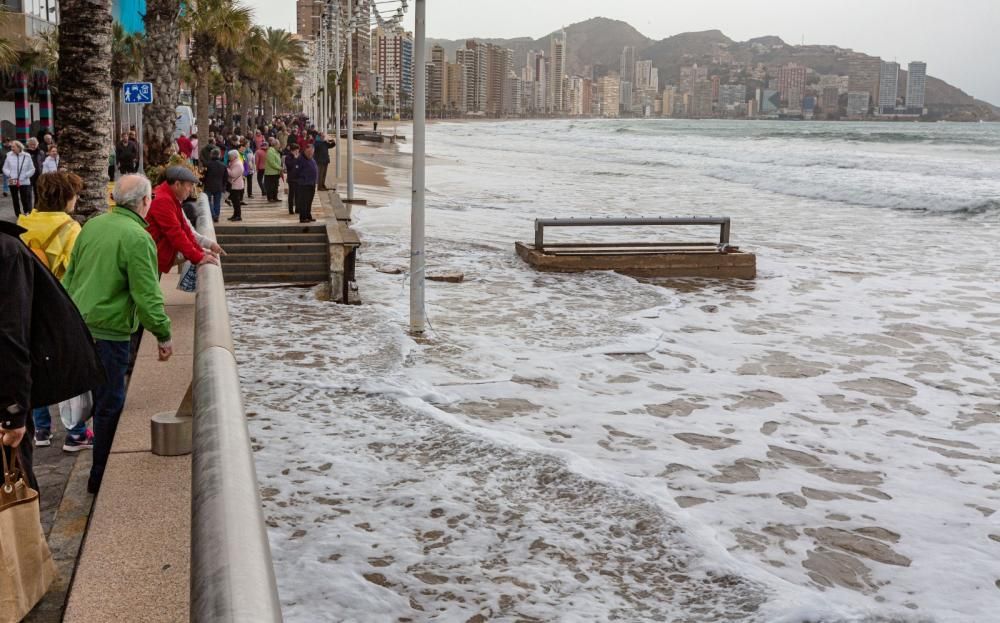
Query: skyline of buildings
[{"x": 484, "y": 79}]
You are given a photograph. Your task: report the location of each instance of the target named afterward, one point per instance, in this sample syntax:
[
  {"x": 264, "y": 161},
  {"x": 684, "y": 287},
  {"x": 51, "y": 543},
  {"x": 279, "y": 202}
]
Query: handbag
[
  {"x": 189, "y": 279},
  {"x": 75, "y": 410},
  {"x": 26, "y": 566}
]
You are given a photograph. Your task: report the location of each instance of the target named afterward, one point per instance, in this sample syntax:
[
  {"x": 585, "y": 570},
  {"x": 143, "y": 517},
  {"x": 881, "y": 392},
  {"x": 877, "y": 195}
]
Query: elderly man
[
  {"x": 114, "y": 280},
  {"x": 47, "y": 352},
  {"x": 170, "y": 231},
  {"x": 272, "y": 171}
]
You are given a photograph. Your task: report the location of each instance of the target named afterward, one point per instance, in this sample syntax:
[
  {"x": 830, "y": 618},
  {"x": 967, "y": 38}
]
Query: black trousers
[
  {"x": 236, "y": 196},
  {"x": 271, "y": 184},
  {"x": 249, "y": 185},
  {"x": 323, "y": 169},
  {"x": 260, "y": 183},
  {"x": 22, "y": 199},
  {"x": 292, "y": 189},
  {"x": 304, "y": 194}
]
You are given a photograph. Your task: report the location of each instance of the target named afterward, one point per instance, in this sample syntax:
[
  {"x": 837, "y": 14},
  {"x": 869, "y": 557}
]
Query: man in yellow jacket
[{"x": 51, "y": 234}]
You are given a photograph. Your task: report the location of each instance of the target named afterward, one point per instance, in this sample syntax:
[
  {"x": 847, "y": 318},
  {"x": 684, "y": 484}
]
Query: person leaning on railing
[{"x": 114, "y": 280}]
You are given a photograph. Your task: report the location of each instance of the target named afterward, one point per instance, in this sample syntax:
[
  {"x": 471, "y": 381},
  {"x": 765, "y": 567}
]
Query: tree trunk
[
  {"x": 246, "y": 108},
  {"x": 202, "y": 96},
  {"x": 161, "y": 68},
  {"x": 84, "y": 103}
]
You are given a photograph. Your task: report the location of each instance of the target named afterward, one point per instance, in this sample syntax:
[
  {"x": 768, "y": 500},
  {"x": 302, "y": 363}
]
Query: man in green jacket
[
  {"x": 272, "y": 172},
  {"x": 114, "y": 280}
]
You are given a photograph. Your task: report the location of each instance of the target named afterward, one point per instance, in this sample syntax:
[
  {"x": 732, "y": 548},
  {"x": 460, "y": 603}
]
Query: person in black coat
[
  {"x": 48, "y": 353},
  {"x": 322, "y": 157},
  {"x": 126, "y": 156},
  {"x": 215, "y": 183},
  {"x": 292, "y": 174}
]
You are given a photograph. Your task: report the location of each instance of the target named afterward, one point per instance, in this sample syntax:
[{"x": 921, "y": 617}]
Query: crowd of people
[
  {"x": 284, "y": 151},
  {"x": 79, "y": 297}
]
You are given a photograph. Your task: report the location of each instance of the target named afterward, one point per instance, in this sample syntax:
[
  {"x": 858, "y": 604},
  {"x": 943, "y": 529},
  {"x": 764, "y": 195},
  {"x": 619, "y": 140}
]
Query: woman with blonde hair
[
  {"x": 51, "y": 234},
  {"x": 19, "y": 167},
  {"x": 237, "y": 182}
]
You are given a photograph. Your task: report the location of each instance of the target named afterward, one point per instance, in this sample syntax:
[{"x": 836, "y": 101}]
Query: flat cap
[{"x": 181, "y": 174}]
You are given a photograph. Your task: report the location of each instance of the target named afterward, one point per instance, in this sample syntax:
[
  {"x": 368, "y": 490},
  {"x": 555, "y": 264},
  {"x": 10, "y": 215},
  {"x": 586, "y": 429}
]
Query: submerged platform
[{"x": 645, "y": 262}]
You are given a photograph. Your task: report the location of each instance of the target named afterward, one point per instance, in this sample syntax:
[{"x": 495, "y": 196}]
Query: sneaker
[
  {"x": 75, "y": 444},
  {"x": 43, "y": 438}
]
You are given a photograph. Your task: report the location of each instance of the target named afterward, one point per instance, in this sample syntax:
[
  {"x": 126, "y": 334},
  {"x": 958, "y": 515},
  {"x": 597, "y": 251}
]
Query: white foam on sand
[{"x": 818, "y": 445}]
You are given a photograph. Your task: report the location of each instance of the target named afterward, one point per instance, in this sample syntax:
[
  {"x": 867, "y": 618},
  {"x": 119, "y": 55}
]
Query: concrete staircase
[{"x": 286, "y": 254}]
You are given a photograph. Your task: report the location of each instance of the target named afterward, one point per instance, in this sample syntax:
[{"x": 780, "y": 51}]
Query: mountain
[{"x": 599, "y": 42}]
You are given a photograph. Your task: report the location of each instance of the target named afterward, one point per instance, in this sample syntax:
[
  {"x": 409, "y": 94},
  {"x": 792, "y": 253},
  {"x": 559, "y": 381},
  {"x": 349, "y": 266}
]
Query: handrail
[
  {"x": 542, "y": 223},
  {"x": 232, "y": 574}
]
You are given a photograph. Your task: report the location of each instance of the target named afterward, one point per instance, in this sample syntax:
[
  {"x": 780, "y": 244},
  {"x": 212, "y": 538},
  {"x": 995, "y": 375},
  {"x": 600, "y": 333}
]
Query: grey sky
[{"x": 957, "y": 39}]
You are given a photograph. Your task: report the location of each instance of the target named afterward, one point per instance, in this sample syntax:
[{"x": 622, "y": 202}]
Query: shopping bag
[
  {"x": 75, "y": 410},
  {"x": 26, "y": 566},
  {"x": 189, "y": 278}
]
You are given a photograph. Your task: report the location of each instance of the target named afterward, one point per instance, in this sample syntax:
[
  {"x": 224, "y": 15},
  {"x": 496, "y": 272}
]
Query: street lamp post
[
  {"x": 349, "y": 66},
  {"x": 417, "y": 258}
]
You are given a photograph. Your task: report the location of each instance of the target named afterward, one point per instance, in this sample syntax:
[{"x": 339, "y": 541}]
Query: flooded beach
[{"x": 819, "y": 444}]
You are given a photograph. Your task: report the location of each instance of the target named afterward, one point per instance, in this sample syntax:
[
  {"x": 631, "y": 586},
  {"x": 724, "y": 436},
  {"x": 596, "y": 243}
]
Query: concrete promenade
[{"x": 126, "y": 554}]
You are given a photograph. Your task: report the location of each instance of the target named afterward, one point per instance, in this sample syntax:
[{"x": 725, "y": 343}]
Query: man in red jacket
[{"x": 170, "y": 231}]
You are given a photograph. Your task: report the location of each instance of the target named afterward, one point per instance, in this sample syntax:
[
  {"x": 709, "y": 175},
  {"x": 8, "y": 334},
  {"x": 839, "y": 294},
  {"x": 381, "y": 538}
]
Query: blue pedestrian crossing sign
[{"x": 138, "y": 92}]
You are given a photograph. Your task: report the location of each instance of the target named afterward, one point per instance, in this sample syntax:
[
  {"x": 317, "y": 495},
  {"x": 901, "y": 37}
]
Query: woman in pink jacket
[{"x": 237, "y": 183}]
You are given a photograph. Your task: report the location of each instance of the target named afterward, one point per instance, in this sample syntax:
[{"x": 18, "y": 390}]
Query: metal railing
[
  {"x": 723, "y": 223},
  {"x": 232, "y": 574}
]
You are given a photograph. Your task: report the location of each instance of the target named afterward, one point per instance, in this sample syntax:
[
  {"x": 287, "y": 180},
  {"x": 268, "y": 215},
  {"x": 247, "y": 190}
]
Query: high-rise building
[
  {"x": 513, "y": 95},
  {"x": 361, "y": 50},
  {"x": 916, "y": 87},
  {"x": 308, "y": 15},
  {"x": 557, "y": 74},
  {"x": 625, "y": 96},
  {"x": 830, "y": 100},
  {"x": 690, "y": 75},
  {"x": 732, "y": 97},
  {"x": 888, "y": 88},
  {"x": 498, "y": 68},
  {"x": 701, "y": 99},
  {"x": 609, "y": 88},
  {"x": 627, "y": 61},
  {"x": 455, "y": 89},
  {"x": 394, "y": 64},
  {"x": 474, "y": 58},
  {"x": 437, "y": 79},
  {"x": 792, "y": 84},
  {"x": 643, "y": 75},
  {"x": 858, "y": 104},
  {"x": 864, "y": 76}
]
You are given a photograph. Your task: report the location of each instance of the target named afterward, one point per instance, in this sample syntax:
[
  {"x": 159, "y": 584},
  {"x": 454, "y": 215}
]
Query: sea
[{"x": 819, "y": 444}]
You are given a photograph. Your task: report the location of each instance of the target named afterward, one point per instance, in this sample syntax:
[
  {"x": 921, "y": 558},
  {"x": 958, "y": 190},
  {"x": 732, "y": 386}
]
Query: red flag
[{"x": 357, "y": 83}]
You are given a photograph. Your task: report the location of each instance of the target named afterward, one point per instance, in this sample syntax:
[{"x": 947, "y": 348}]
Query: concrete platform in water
[{"x": 641, "y": 259}]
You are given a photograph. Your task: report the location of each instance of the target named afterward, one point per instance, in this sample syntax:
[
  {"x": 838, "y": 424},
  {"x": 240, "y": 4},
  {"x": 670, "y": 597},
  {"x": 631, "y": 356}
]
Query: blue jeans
[
  {"x": 109, "y": 399},
  {"x": 43, "y": 421},
  {"x": 215, "y": 202}
]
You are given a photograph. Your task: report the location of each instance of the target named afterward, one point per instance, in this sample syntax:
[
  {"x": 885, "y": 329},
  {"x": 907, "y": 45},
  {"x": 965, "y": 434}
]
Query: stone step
[
  {"x": 276, "y": 258},
  {"x": 264, "y": 248},
  {"x": 259, "y": 268},
  {"x": 307, "y": 238},
  {"x": 229, "y": 230},
  {"x": 278, "y": 277}
]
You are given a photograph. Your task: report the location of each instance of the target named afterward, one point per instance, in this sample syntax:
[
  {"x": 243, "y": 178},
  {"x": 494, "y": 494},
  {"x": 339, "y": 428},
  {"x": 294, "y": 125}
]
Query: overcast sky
[{"x": 957, "y": 38}]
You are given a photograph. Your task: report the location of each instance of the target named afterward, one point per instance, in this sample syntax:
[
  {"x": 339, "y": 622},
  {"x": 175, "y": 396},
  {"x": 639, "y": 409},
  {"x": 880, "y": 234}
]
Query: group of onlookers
[
  {"x": 300, "y": 158},
  {"x": 76, "y": 298}
]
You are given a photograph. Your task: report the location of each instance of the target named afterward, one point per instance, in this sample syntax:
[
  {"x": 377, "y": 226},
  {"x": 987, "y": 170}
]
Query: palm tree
[
  {"x": 83, "y": 107},
  {"x": 215, "y": 25},
  {"x": 160, "y": 60},
  {"x": 281, "y": 54}
]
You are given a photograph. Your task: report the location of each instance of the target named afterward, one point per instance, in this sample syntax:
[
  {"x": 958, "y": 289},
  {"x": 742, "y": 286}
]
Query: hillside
[{"x": 599, "y": 42}]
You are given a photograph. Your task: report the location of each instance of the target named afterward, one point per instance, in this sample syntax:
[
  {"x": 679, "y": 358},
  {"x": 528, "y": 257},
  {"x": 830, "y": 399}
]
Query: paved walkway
[{"x": 258, "y": 211}]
